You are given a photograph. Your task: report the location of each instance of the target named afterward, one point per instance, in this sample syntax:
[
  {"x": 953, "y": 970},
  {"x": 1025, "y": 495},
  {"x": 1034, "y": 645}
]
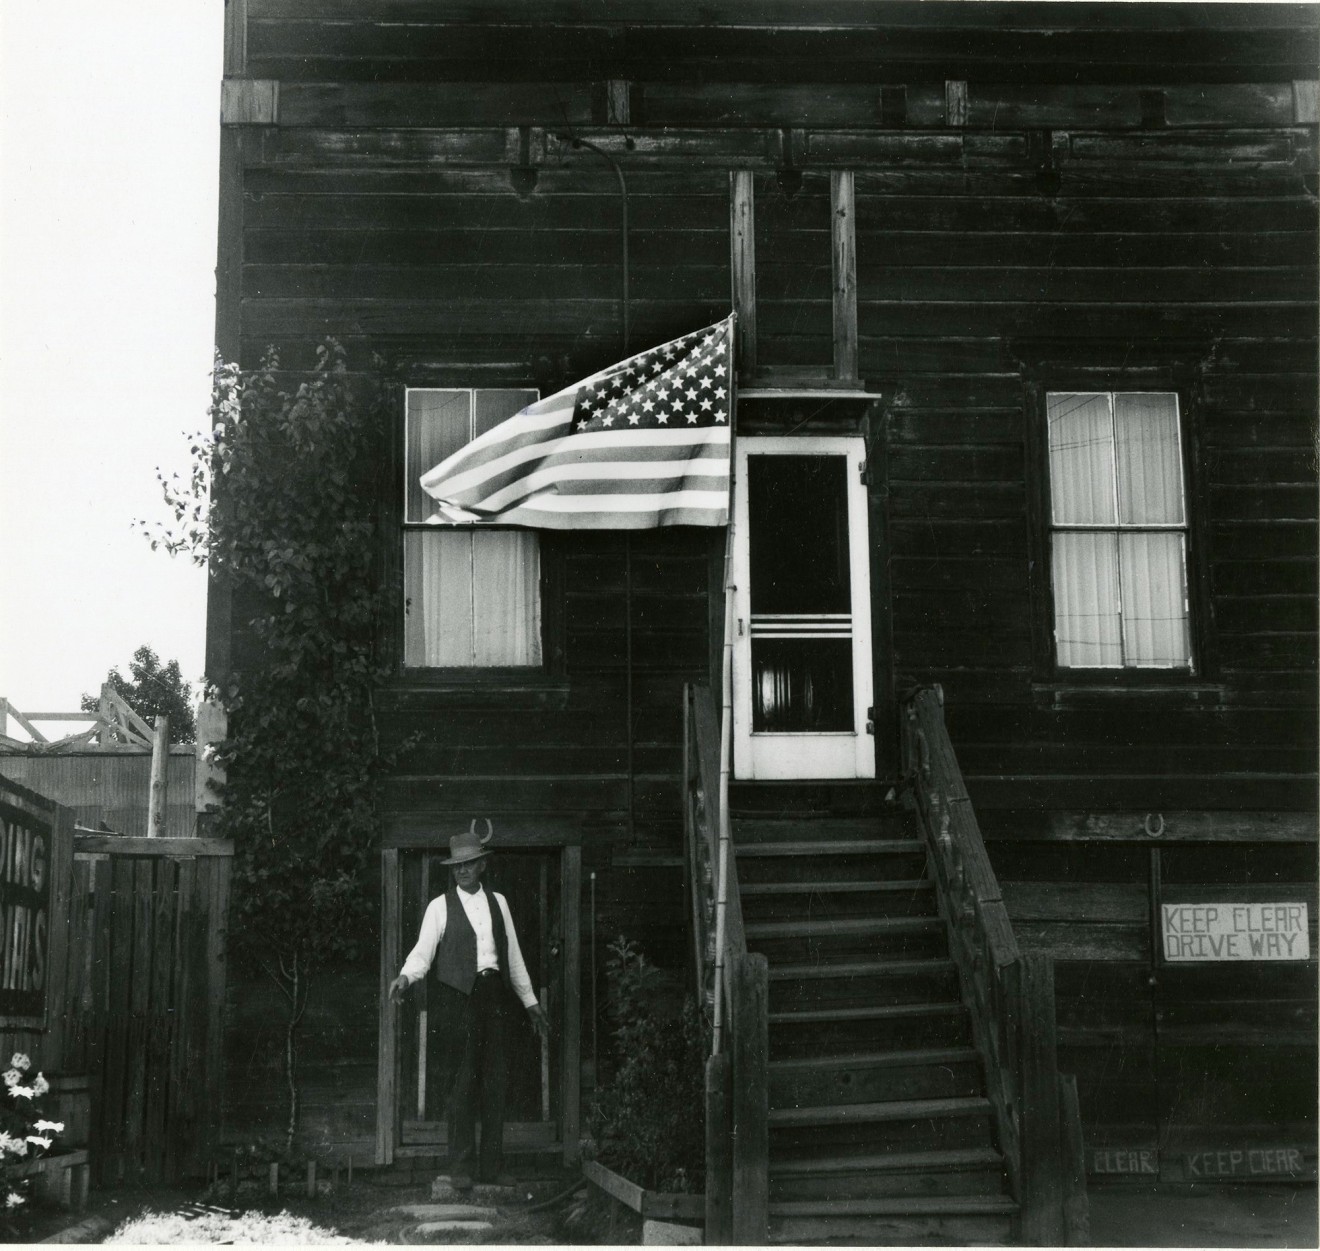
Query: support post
[
  {"x": 843, "y": 252},
  {"x": 387, "y": 1060},
  {"x": 1042, "y": 1168},
  {"x": 1076, "y": 1210},
  {"x": 751, "y": 1126},
  {"x": 160, "y": 763},
  {"x": 742, "y": 245},
  {"x": 570, "y": 905},
  {"x": 719, "y": 1153}
]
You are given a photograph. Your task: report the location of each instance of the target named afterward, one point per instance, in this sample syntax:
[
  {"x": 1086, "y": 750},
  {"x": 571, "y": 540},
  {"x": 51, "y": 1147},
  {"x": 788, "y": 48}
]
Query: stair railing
[
  {"x": 1010, "y": 995},
  {"x": 737, "y": 1120}
]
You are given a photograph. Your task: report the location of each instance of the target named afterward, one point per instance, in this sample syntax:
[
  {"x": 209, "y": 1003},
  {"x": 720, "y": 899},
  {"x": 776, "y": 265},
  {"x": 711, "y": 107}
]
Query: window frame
[
  {"x": 1183, "y": 384},
  {"x": 550, "y": 670}
]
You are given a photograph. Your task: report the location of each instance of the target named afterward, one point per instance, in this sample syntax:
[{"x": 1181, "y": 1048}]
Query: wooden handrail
[
  {"x": 737, "y": 1123},
  {"x": 1010, "y": 996}
]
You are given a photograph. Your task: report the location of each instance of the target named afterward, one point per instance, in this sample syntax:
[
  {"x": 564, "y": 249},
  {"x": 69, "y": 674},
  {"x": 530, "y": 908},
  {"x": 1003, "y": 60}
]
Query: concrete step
[{"x": 875, "y": 1077}]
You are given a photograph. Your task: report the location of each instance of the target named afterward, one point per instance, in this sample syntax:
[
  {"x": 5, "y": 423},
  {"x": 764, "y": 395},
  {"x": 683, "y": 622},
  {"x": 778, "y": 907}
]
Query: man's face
[{"x": 468, "y": 874}]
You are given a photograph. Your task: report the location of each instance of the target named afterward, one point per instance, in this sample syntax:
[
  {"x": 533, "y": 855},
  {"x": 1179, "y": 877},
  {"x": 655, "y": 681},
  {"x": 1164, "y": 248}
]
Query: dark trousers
[{"x": 479, "y": 1077}]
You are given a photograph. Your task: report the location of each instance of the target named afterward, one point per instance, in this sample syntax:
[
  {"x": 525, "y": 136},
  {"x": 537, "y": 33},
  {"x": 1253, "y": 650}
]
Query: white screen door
[{"x": 802, "y": 610}]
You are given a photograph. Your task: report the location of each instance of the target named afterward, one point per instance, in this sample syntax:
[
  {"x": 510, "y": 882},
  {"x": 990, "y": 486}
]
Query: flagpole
[{"x": 726, "y": 725}]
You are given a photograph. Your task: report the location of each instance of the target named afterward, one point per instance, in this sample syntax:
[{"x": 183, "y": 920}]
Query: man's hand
[
  {"x": 397, "y": 987},
  {"x": 539, "y": 1023}
]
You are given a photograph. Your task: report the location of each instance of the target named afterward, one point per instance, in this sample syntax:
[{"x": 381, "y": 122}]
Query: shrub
[{"x": 649, "y": 1118}]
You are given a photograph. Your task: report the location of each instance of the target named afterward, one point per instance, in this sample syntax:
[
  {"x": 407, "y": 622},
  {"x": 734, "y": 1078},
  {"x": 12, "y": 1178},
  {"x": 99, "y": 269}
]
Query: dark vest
[{"x": 456, "y": 959}]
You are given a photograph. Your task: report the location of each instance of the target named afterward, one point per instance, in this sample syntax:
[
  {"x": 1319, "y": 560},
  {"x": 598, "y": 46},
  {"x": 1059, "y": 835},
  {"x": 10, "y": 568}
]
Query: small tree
[
  {"x": 153, "y": 690},
  {"x": 280, "y": 504}
]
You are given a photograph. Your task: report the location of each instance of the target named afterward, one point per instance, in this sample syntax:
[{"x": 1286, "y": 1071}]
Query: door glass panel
[{"x": 800, "y": 594}]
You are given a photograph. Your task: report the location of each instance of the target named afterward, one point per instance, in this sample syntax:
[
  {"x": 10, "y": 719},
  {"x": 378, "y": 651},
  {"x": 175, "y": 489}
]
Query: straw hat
[{"x": 469, "y": 845}]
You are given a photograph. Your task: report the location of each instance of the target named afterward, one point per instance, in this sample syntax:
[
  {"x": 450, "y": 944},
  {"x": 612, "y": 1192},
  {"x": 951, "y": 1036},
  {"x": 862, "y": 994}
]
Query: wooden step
[
  {"x": 897, "y": 1110},
  {"x": 771, "y": 900},
  {"x": 951, "y": 1221},
  {"x": 908, "y": 1125},
  {"x": 822, "y": 799},
  {"x": 831, "y": 847},
  {"x": 875, "y": 1076},
  {"x": 847, "y": 938},
  {"x": 846, "y": 982},
  {"x": 794, "y": 829},
  {"x": 932, "y": 1205},
  {"x": 976, "y": 1170}
]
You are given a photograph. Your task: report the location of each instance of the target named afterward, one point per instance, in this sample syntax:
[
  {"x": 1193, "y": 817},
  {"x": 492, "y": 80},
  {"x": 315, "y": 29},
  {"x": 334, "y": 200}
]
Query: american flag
[{"x": 641, "y": 444}]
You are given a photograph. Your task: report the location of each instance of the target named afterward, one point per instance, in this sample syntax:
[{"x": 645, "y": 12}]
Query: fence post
[
  {"x": 1042, "y": 1168},
  {"x": 160, "y": 763},
  {"x": 719, "y": 1154},
  {"x": 751, "y": 1129}
]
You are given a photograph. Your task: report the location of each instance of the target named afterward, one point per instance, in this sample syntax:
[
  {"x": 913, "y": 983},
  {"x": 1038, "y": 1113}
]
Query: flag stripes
[{"x": 641, "y": 444}]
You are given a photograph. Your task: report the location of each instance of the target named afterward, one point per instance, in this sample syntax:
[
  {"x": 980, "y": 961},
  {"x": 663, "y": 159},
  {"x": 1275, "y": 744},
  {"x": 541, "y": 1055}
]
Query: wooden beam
[
  {"x": 742, "y": 245},
  {"x": 158, "y": 796},
  {"x": 387, "y": 1058},
  {"x": 751, "y": 1128},
  {"x": 1304, "y": 102},
  {"x": 955, "y": 103},
  {"x": 570, "y": 909},
  {"x": 1005, "y": 824},
  {"x": 1042, "y": 1172},
  {"x": 618, "y": 110},
  {"x": 843, "y": 253},
  {"x": 249, "y": 102},
  {"x": 91, "y": 842},
  {"x": 719, "y": 1153},
  {"x": 236, "y": 23},
  {"x": 628, "y": 1193}
]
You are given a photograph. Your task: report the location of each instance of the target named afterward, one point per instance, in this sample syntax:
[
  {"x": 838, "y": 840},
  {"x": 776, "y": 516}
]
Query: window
[
  {"x": 1118, "y": 532},
  {"x": 472, "y": 596}
]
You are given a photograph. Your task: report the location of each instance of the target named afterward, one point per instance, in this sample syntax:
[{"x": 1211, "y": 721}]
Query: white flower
[
  {"x": 20, "y": 1061},
  {"x": 13, "y": 1199},
  {"x": 40, "y": 1085},
  {"x": 18, "y": 1146},
  {"x": 22, "y": 1092},
  {"x": 55, "y": 1127},
  {"x": 39, "y": 1141},
  {"x": 12, "y": 1077}
]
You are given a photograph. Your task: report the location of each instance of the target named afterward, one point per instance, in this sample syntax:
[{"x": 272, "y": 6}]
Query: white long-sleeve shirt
[{"x": 477, "y": 907}]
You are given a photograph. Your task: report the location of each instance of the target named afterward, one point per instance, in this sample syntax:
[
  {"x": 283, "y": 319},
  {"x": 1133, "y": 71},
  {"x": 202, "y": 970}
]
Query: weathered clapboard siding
[{"x": 1178, "y": 1050}]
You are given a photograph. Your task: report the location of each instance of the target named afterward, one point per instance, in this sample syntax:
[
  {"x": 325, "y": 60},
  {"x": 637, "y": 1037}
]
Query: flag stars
[
  {"x": 607, "y": 420},
  {"x": 706, "y": 406},
  {"x": 692, "y": 418},
  {"x": 634, "y": 417}
]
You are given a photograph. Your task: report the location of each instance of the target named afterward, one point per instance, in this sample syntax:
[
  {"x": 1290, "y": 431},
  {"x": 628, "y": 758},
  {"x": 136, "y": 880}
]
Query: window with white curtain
[
  {"x": 1118, "y": 530},
  {"x": 472, "y": 596}
]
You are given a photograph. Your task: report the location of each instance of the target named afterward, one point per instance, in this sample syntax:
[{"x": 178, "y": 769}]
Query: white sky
[{"x": 109, "y": 142}]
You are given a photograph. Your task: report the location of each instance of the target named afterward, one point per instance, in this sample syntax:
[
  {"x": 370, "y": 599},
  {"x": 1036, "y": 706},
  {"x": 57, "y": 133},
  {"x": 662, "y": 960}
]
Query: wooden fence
[{"x": 134, "y": 990}]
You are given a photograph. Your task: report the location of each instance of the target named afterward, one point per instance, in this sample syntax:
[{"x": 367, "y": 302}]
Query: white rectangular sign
[{"x": 1235, "y": 931}]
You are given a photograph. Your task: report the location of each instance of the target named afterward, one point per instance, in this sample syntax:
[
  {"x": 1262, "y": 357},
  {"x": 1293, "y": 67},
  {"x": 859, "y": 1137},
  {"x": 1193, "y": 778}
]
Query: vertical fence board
[
  {"x": 217, "y": 931},
  {"x": 183, "y": 995},
  {"x": 135, "y": 1089},
  {"x": 57, "y": 950},
  {"x": 162, "y": 1012}
]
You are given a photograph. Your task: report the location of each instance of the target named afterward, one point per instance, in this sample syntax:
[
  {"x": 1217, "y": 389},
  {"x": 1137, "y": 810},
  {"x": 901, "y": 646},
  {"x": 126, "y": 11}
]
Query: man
[{"x": 478, "y": 964}]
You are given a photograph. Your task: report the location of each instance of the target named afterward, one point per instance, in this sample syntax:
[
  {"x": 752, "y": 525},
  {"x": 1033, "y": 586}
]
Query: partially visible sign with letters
[
  {"x": 1246, "y": 1162},
  {"x": 1142, "y": 1161},
  {"x": 25, "y": 905},
  {"x": 1235, "y": 931}
]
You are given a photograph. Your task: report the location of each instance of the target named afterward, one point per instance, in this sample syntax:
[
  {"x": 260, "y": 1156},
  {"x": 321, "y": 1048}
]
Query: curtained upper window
[
  {"x": 472, "y": 596},
  {"x": 1118, "y": 531}
]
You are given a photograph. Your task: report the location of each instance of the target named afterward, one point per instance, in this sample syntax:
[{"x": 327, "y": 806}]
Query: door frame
[
  {"x": 863, "y": 754},
  {"x": 410, "y": 834}
]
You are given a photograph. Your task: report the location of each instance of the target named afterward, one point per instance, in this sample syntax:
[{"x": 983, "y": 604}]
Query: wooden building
[{"x": 1026, "y": 408}]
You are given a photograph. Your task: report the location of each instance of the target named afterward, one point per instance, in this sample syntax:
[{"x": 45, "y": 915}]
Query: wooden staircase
[{"x": 880, "y": 1128}]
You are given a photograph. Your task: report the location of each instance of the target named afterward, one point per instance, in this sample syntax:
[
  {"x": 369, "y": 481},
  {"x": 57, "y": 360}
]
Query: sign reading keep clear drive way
[{"x": 1235, "y": 931}]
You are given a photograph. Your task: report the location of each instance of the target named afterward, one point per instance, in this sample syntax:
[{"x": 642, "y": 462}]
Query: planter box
[
  {"x": 61, "y": 1178},
  {"x": 658, "y": 1209}
]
